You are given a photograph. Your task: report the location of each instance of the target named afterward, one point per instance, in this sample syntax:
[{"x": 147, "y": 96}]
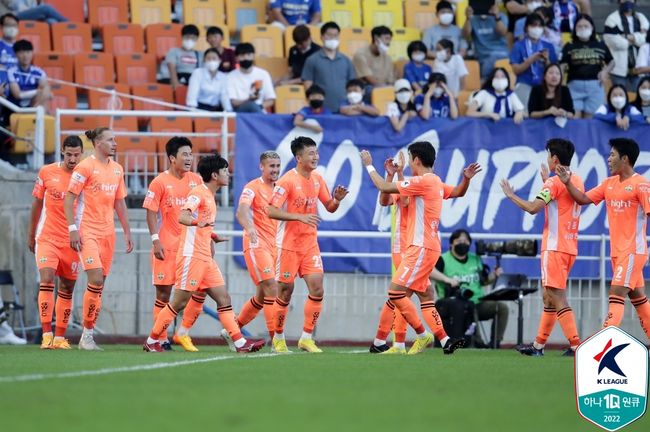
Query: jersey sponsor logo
[
  {"x": 103, "y": 187},
  {"x": 150, "y": 194},
  {"x": 117, "y": 172},
  {"x": 56, "y": 194},
  {"x": 175, "y": 201},
  {"x": 619, "y": 204}
]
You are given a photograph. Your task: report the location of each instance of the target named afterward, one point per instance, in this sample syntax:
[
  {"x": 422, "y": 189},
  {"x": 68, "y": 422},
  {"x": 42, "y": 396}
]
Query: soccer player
[
  {"x": 627, "y": 197},
  {"x": 559, "y": 245},
  {"x": 426, "y": 191},
  {"x": 166, "y": 195},
  {"x": 294, "y": 204},
  {"x": 97, "y": 183},
  {"x": 48, "y": 240},
  {"x": 196, "y": 271}
]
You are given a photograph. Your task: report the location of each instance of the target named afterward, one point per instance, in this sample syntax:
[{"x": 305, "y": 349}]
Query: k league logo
[{"x": 611, "y": 379}]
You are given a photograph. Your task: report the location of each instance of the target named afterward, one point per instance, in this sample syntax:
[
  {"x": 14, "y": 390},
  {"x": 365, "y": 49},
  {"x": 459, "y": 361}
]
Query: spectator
[
  {"x": 529, "y": 57},
  {"x": 462, "y": 268},
  {"x": 181, "y": 61},
  {"x": 588, "y": 62},
  {"x": 299, "y": 53},
  {"x": 550, "y": 35},
  {"x": 294, "y": 12},
  {"x": 642, "y": 101},
  {"x": 488, "y": 33},
  {"x": 316, "y": 98},
  {"x": 27, "y": 83},
  {"x": 416, "y": 71},
  {"x": 403, "y": 109},
  {"x": 551, "y": 98},
  {"x": 451, "y": 65},
  {"x": 328, "y": 68},
  {"x": 214, "y": 36},
  {"x": 250, "y": 88},
  {"x": 495, "y": 100},
  {"x": 437, "y": 101},
  {"x": 9, "y": 23},
  {"x": 373, "y": 64},
  {"x": 354, "y": 104},
  {"x": 625, "y": 32},
  {"x": 207, "y": 88},
  {"x": 642, "y": 66},
  {"x": 565, "y": 14},
  {"x": 34, "y": 10},
  {"x": 618, "y": 109},
  {"x": 518, "y": 9},
  {"x": 446, "y": 29},
  {"x": 532, "y": 6}
]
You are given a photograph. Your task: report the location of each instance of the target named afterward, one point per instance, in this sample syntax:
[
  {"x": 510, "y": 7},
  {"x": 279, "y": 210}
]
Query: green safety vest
[{"x": 468, "y": 272}]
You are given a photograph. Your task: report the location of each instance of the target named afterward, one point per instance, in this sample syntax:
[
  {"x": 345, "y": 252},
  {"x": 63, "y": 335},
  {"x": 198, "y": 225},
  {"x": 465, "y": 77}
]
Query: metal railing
[{"x": 38, "y": 140}]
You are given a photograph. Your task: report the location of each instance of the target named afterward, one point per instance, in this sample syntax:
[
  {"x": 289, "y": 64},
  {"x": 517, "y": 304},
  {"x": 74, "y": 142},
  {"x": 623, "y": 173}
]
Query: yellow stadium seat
[
  {"x": 505, "y": 63},
  {"x": 381, "y": 97},
  {"x": 473, "y": 78},
  {"x": 346, "y": 13},
  {"x": 288, "y": 37},
  {"x": 461, "y": 7},
  {"x": 402, "y": 37},
  {"x": 266, "y": 38},
  {"x": 145, "y": 12},
  {"x": 420, "y": 13},
  {"x": 277, "y": 67},
  {"x": 352, "y": 39},
  {"x": 204, "y": 13},
  {"x": 383, "y": 12},
  {"x": 398, "y": 65},
  {"x": 23, "y": 125},
  {"x": 290, "y": 99},
  {"x": 244, "y": 12},
  {"x": 463, "y": 101}
]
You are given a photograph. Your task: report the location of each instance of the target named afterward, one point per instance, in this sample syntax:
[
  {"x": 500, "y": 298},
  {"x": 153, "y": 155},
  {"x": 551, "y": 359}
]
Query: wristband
[
  {"x": 370, "y": 169},
  {"x": 154, "y": 237},
  {"x": 337, "y": 202},
  {"x": 72, "y": 227},
  {"x": 214, "y": 236}
]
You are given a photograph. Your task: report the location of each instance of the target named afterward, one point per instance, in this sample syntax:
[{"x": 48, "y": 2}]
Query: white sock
[
  {"x": 151, "y": 341},
  {"x": 444, "y": 340},
  {"x": 47, "y": 334},
  {"x": 278, "y": 336},
  {"x": 58, "y": 338},
  {"x": 538, "y": 346},
  {"x": 183, "y": 331},
  {"x": 240, "y": 342},
  {"x": 378, "y": 342},
  {"x": 305, "y": 335},
  {"x": 574, "y": 347},
  {"x": 87, "y": 332},
  {"x": 399, "y": 345}
]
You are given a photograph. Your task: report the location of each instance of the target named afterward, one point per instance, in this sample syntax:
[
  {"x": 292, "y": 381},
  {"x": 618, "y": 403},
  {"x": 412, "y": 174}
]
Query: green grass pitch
[{"x": 339, "y": 390}]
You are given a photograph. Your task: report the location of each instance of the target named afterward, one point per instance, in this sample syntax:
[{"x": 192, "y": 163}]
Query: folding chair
[{"x": 6, "y": 279}]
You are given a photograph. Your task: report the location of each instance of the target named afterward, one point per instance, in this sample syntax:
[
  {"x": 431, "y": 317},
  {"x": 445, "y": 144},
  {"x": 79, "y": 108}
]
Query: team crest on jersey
[
  {"x": 193, "y": 184},
  {"x": 193, "y": 282},
  {"x": 160, "y": 276},
  {"x": 90, "y": 260},
  {"x": 286, "y": 275},
  {"x": 628, "y": 188},
  {"x": 266, "y": 270},
  {"x": 117, "y": 172},
  {"x": 43, "y": 259}
]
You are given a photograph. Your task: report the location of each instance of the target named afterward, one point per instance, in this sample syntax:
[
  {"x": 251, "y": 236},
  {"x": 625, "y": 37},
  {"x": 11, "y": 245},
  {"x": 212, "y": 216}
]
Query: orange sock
[
  {"x": 546, "y": 324},
  {"x": 407, "y": 309},
  {"x": 269, "y": 310},
  {"x": 313, "y": 306},
  {"x": 400, "y": 326},
  {"x": 643, "y": 311},
  {"x": 227, "y": 318},
  {"x": 165, "y": 318},
  {"x": 45, "y": 300},
  {"x": 615, "y": 313},
  {"x": 91, "y": 305},
  {"x": 386, "y": 317},
  {"x": 158, "y": 305},
  {"x": 63, "y": 308},
  {"x": 433, "y": 320},
  {"x": 192, "y": 311},
  {"x": 281, "y": 308},
  {"x": 248, "y": 312},
  {"x": 568, "y": 324}
]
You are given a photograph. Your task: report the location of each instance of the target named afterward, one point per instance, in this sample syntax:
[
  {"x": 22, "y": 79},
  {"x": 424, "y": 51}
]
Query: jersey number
[{"x": 318, "y": 261}]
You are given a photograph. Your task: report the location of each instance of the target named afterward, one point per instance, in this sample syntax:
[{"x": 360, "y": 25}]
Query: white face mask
[
  {"x": 618, "y": 102},
  {"x": 500, "y": 84},
  {"x": 331, "y": 44},
  {"x": 188, "y": 44},
  {"x": 535, "y": 32},
  {"x": 403, "y": 97},
  {"x": 354, "y": 97},
  {"x": 437, "y": 92},
  {"x": 583, "y": 34},
  {"x": 645, "y": 94},
  {"x": 418, "y": 57},
  {"x": 10, "y": 32},
  {"x": 441, "y": 55},
  {"x": 446, "y": 18},
  {"x": 383, "y": 48},
  {"x": 534, "y": 5},
  {"x": 212, "y": 65}
]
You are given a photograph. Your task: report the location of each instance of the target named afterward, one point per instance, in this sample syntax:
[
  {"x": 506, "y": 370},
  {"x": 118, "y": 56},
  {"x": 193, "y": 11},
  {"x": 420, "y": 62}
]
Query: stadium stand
[
  {"x": 94, "y": 69},
  {"x": 145, "y": 12},
  {"x": 72, "y": 38},
  {"x": 244, "y": 12},
  {"x": 38, "y": 33},
  {"x": 266, "y": 38},
  {"x": 161, "y": 37},
  {"x": 99, "y": 100},
  {"x": 353, "y": 38},
  {"x": 71, "y": 9},
  {"x": 420, "y": 13},
  {"x": 402, "y": 36},
  {"x": 204, "y": 13},
  {"x": 134, "y": 69},
  {"x": 290, "y": 99},
  {"x": 104, "y": 12},
  {"x": 123, "y": 38},
  {"x": 381, "y": 97},
  {"x": 276, "y": 66},
  {"x": 56, "y": 65},
  {"x": 383, "y": 12},
  {"x": 346, "y": 13}
]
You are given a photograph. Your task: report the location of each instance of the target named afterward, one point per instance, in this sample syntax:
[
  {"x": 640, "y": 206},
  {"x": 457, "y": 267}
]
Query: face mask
[
  {"x": 10, "y": 32},
  {"x": 535, "y": 32},
  {"x": 461, "y": 249},
  {"x": 331, "y": 44},
  {"x": 188, "y": 44},
  {"x": 212, "y": 65},
  {"x": 534, "y": 5},
  {"x": 618, "y": 102},
  {"x": 627, "y": 7},
  {"x": 645, "y": 94},
  {"x": 245, "y": 64},
  {"x": 403, "y": 97},
  {"x": 500, "y": 84},
  {"x": 418, "y": 57},
  {"x": 354, "y": 97},
  {"x": 446, "y": 18},
  {"x": 584, "y": 34},
  {"x": 441, "y": 55},
  {"x": 437, "y": 92},
  {"x": 383, "y": 48},
  {"x": 316, "y": 103}
]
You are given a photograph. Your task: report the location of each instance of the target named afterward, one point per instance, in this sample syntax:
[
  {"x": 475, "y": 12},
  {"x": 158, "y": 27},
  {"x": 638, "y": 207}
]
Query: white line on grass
[
  {"x": 363, "y": 351},
  {"x": 107, "y": 371}
]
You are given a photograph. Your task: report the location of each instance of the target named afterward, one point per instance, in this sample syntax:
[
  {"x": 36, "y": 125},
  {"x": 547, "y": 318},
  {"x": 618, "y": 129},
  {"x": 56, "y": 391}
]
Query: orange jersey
[
  {"x": 401, "y": 225},
  {"x": 628, "y": 206},
  {"x": 50, "y": 187},
  {"x": 427, "y": 193},
  {"x": 97, "y": 186},
  {"x": 257, "y": 195},
  {"x": 294, "y": 193},
  {"x": 561, "y": 216},
  {"x": 166, "y": 195},
  {"x": 195, "y": 241}
]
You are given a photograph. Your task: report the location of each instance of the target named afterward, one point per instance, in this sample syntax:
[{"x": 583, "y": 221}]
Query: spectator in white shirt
[
  {"x": 250, "y": 88},
  {"x": 495, "y": 100},
  {"x": 207, "y": 87},
  {"x": 642, "y": 66},
  {"x": 451, "y": 65}
]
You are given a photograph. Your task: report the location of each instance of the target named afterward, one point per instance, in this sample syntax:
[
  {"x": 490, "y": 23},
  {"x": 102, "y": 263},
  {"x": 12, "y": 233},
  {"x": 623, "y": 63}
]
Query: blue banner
[{"x": 503, "y": 149}]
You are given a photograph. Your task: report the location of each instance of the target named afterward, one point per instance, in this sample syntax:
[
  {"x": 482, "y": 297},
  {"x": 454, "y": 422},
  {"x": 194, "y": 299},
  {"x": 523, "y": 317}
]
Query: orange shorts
[
  {"x": 416, "y": 266},
  {"x": 193, "y": 274},
  {"x": 555, "y": 268},
  {"x": 97, "y": 252},
  {"x": 164, "y": 271},
  {"x": 260, "y": 263},
  {"x": 62, "y": 258},
  {"x": 397, "y": 259},
  {"x": 289, "y": 263},
  {"x": 628, "y": 270}
]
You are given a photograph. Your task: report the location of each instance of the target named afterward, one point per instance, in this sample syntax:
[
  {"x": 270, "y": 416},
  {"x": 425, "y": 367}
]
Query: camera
[
  {"x": 461, "y": 291},
  {"x": 523, "y": 248}
]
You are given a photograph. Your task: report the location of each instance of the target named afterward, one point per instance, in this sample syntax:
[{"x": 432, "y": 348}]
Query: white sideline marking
[
  {"x": 107, "y": 371},
  {"x": 353, "y": 352}
]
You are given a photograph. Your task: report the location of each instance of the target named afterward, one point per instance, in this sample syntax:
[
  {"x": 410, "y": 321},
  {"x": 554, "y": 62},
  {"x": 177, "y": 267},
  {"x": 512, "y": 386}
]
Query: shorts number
[
  {"x": 406, "y": 270},
  {"x": 76, "y": 265},
  {"x": 619, "y": 272},
  {"x": 318, "y": 261}
]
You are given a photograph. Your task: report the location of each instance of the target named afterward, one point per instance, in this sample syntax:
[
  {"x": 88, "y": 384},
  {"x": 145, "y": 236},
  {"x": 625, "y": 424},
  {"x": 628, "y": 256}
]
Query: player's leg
[
  {"x": 63, "y": 312},
  {"x": 565, "y": 317},
  {"x": 286, "y": 268},
  {"x": 269, "y": 291},
  {"x": 259, "y": 264},
  {"x": 638, "y": 296},
  {"x": 386, "y": 319},
  {"x": 621, "y": 281},
  {"x": 312, "y": 311},
  {"x": 165, "y": 317},
  {"x": 433, "y": 320},
  {"x": 46, "y": 304}
]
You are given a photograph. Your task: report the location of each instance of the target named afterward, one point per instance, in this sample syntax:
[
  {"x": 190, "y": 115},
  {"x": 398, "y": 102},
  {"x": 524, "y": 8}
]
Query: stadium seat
[
  {"x": 463, "y": 100},
  {"x": 314, "y": 31},
  {"x": 71, "y": 9},
  {"x": 204, "y": 13},
  {"x": 180, "y": 95},
  {"x": 473, "y": 78},
  {"x": 72, "y": 38},
  {"x": 266, "y": 38},
  {"x": 160, "y": 92},
  {"x": 381, "y": 97},
  {"x": 122, "y": 123},
  {"x": 420, "y": 14},
  {"x": 401, "y": 38},
  {"x": 505, "y": 63},
  {"x": 161, "y": 37},
  {"x": 352, "y": 39},
  {"x": 461, "y": 7},
  {"x": 383, "y": 12},
  {"x": 244, "y": 12},
  {"x": 23, "y": 126},
  {"x": 55, "y": 65},
  {"x": 138, "y": 157},
  {"x": 38, "y": 33},
  {"x": 278, "y": 67},
  {"x": 399, "y": 68},
  {"x": 63, "y": 97},
  {"x": 94, "y": 68},
  {"x": 346, "y": 13},
  {"x": 104, "y": 12},
  {"x": 79, "y": 123},
  {"x": 102, "y": 101},
  {"x": 177, "y": 125},
  {"x": 134, "y": 69},
  {"x": 123, "y": 38},
  {"x": 213, "y": 143},
  {"x": 289, "y": 99},
  {"x": 145, "y": 12}
]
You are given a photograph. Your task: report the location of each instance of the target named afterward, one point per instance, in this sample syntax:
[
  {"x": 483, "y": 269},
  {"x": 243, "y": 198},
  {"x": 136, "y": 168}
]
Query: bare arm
[
  {"x": 436, "y": 275},
  {"x": 276, "y": 14},
  {"x": 468, "y": 173},
  {"x": 578, "y": 196},
  {"x": 299, "y": 121},
  {"x": 68, "y": 209},
  {"x": 173, "y": 77},
  {"x": 532, "y": 207},
  {"x": 152, "y": 224},
  {"x": 123, "y": 216},
  {"x": 315, "y": 18},
  {"x": 35, "y": 215},
  {"x": 244, "y": 218},
  {"x": 384, "y": 198},
  {"x": 278, "y": 214}
]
